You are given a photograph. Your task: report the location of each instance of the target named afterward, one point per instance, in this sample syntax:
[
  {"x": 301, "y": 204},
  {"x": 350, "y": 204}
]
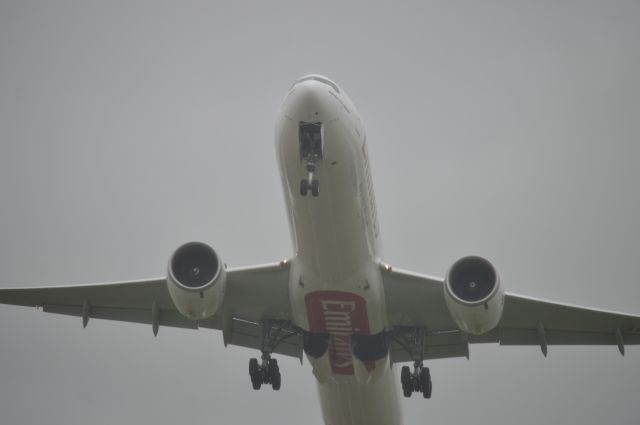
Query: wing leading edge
[{"x": 417, "y": 301}]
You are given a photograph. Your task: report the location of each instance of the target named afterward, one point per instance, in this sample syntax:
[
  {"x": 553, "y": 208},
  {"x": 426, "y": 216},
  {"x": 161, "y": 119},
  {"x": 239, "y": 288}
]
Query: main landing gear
[
  {"x": 418, "y": 381},
  {"x": 267, "y": 371},
  {"x": 413, "y": 341},
  {"x": 310, "y": 143}
]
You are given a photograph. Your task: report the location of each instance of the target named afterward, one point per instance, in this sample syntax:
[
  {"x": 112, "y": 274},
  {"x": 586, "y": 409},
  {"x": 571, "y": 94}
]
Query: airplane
[{"x": 336, "y": 301}]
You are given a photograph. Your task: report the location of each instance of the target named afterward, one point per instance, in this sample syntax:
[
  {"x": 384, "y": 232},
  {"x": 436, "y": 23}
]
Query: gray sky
[{"x": 505, "y": 129}]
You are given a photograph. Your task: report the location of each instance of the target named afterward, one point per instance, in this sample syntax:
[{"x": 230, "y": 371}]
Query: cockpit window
[{"x": 320, "y": 79}]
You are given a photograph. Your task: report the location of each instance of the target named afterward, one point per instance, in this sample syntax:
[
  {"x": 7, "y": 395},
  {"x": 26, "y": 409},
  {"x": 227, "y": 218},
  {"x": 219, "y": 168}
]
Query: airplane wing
[
  {"x": 417, "y": 301},
  {"x": 253, "y": 294}
]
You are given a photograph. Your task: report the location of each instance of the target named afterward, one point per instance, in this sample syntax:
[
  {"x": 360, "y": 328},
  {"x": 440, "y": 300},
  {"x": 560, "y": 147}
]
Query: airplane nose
[{"x": 309, "y": 101}]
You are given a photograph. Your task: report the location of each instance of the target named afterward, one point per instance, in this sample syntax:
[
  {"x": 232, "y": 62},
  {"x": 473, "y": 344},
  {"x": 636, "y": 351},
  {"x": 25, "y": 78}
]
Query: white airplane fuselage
[{"x": 335, "y": 281}]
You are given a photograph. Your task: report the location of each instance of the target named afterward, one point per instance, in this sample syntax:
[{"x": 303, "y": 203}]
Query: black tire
[
  {"x": 405, "y": 376},
  {"x": 426, "y": 393},
  {"x": 253, "y": 367},
  {"x": 276, "y": 380},
  {"x": 407, "y": 391},
  {"x": 254, "y": 373},
  {"x": 425, "y": 383},
  {"x": 273, "y": 368},
  {"x": 405, "y": 380},
  {"x": 304, "y": 187},
  {"x": 274, "y": 374},
  {"x": 427, "y": 374},
  {"x": 315, "y": 187}
]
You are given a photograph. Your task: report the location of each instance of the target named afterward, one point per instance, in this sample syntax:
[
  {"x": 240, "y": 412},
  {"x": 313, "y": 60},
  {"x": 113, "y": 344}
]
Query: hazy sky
[{"x": 505, "y": 129}]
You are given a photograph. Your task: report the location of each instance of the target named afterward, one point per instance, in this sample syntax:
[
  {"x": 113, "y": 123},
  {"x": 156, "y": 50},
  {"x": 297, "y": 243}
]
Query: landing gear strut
[
  {"x": 267, "y": 371},
  {"x": 413, "y": 341}
]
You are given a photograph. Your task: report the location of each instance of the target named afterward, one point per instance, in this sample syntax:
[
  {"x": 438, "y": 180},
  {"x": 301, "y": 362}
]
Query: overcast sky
[{"x": 505, "y": 129}]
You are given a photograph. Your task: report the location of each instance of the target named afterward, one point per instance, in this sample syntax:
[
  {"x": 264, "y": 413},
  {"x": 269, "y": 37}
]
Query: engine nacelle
[
  {"x": 473, "y": 295},
  {"x": 196, "y": 279}
]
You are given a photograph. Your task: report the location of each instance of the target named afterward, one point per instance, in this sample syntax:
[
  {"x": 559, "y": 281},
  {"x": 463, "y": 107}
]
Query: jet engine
[
  {"x": 196, "y": 279},
  {"x": 473, "y": 295}
]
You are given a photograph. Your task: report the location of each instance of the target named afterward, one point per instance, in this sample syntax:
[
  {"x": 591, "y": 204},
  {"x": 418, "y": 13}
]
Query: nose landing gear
[{"x": 310, "y": 183}]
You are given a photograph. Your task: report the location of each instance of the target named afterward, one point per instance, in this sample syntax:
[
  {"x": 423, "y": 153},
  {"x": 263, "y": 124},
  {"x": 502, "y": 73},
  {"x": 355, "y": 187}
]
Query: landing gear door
[{"x": 310, "y": 140}]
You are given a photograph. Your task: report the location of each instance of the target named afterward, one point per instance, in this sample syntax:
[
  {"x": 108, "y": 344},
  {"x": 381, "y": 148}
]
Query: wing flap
[
  {"x": 531, "y": 337},
  {"x": 169, "y": 318},
  {"x": 248, "y": 334},
  {"x": 432, "y": 352}
]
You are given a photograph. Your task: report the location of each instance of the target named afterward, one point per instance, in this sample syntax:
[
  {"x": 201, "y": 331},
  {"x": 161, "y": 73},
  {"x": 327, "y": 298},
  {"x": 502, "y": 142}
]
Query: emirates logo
[{"x": 341, "y": 315}]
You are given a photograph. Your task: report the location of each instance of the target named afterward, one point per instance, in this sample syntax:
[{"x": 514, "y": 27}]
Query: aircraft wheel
[
  {"x": 273, "y": 368},
  {"x": 253, "y": 367},
  {"x": 254, "y": 373},
  {"x": 274, "y": 374},
  {"x": 276, "y": 380},
  {"x": 405, "y": 379},
  {"x": 425, "y": 383},
  {"x": 256, "y": 384},
  {"x": 304, "y": 187},
  {"x": 315, "y": 187},
  {"x": 426, "y": 391}
]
